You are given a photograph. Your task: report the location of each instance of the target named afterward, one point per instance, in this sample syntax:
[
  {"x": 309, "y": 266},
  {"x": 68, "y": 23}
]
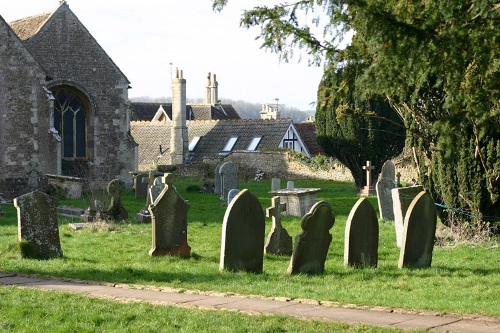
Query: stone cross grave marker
[
  {"x": 278, "y": 241},
  {"x": 33, "y": 172},
  {"x": 243, "y": 232},
  {"x": 144, "y": 216},
  {"x": 231, "y": 194},
  {"x": 311, "y": 246},
  {"x": 361, "y": 236},
  {"x": 169, "y": 221},
  {"x": 398, "y": 179},
  {"x": 38, "y": 230},
  {"x": 419, "y": 232},
  {"x": 401, "y": 200},
  {"x": 384, "y": 186},
  {"x": 229, "y": 173},
  {"x": 116, "y": 211},
  {"x": 368, "y": 189}
]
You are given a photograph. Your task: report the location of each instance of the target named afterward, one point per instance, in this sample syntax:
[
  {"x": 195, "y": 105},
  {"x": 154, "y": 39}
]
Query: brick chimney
[
  {"x": 178, "y": 132},
  {"x": 211, "y": 90}
]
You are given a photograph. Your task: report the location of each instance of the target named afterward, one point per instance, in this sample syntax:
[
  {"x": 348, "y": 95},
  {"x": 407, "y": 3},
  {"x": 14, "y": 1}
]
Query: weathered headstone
[
  {"x": 368, "y": 189},
  {"x": 229, "y": 173},
  {"x": 144, "y": 216},
  {"x": 290, "y": 185},
  {"x": 419, "y": 232},
  {"x": 311, "y": 246},
  {"x": 33, "y": 172},
  {"x": 217, "y": 188},
  {"x": 38, "y": 231},
  {"x": 231, "y": 194},
  {"x": 169, "y": 221},
  {"x": 275, "y": 184},
  {"x": 401, "y": 200},
  {"x": 278, "y": 241},
  {"x": 384, "y": 186},
  {"x": 243, "y": 232},
  {"x": 141, "y": 185},
  {"x": 116, "y": 211},
  {"x": 361, "y": 235}
]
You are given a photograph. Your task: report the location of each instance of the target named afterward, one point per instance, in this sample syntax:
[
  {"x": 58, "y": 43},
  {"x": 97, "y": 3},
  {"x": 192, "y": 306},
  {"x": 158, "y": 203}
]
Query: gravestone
[
  {"x": 275, "y": 184},
  {"x": 368, "y": 189},
  {"x": 33, "y": 172},
  {"x": 290, "y": 185},
  {"x": 144, "y": 216},
  {"x": 38, "y": 231},
  {"x": 419, "y": 232},
  {"x": 168, "y": 220},
  {"x": 361, "y": 235},
  {"x": 384, "y": 186},
  {"x": 311, "y": 246},
  {"x": 116, "y": 211},
  {"x": 398, "y": 179},
  {"x": 243, "y": 232},
  {"x": 401, "y": 200},
  {"x": 231, "y": 194},
  {"x": 278, "y": 241},
  {"x": 217, "y": 179},
  {"x": 229, "y": 173},
  {"x": 141, "y": 182}
]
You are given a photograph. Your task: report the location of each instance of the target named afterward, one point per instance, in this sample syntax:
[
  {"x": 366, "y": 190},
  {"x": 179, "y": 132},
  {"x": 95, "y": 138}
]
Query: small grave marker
[
  {"x": 278, "y": 241},
  {"x": 368, "y": 189}
]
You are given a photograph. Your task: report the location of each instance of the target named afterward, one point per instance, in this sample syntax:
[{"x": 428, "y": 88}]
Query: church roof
[
  {"x": 28, "y": 27},
  {"x": 213, "y": 136},
  {"x": 141, "y": 111}
]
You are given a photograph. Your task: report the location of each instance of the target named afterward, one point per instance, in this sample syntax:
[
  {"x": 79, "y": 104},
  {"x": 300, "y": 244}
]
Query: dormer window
[
  {"x": 254, "y": 143},
  {"x": 194, "y": 142},
  {"x": 230, "y": 144}
]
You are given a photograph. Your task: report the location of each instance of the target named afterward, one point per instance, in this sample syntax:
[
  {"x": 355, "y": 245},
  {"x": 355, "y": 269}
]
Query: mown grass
[{"x": 462, "y": 279}]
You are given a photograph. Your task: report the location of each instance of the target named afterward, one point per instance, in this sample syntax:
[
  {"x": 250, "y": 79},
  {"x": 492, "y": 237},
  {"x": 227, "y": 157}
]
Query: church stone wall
[
  {"x": 72, "y": 57},
  {"x": 24, "y": 114}
]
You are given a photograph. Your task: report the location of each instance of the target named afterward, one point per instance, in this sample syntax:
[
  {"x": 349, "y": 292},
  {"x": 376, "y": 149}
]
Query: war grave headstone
[
  {"x": 218, "y": 180},
  {"x": 38, "y": 230},
  {"x": 116, "y": 211},
  {"x": 229, "y": 173},
  {"x": 144, "y": 216},
  {"x": 231, "y": 194},
  {"x": 243, "y": 232},
  {"x": 384, "y": 186},
  {"x": 275, "y": 184},
  {"x": 168, "y": 220},
  {"x": 368, "y": 189},
  {"x": 311, "y": 246},
  {"x": 278, "y": 241},
  {"x": 401, "y": 200},
  {"x": 361, "y": 235},
  {"x": 419, "y": 232}
]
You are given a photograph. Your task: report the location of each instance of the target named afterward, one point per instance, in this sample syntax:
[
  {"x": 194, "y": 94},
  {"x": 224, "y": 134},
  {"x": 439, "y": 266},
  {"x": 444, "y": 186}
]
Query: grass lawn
[{"x": 463, "y": 279}]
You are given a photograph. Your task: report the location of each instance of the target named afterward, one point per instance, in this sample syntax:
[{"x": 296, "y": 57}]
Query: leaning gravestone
[
  {"x": 169, "y": 221},
  {"x": 361, "y": 235},
  {"x": 243, "y": 232},
  {"x": 278, "y": 241},
  {"x": 401, "y": 200},
  {"x": 419, "y": 232},
  {"x": 116, "y": 211},
  {"x": 38, "y": 231},
  {"x": 231, "y": 194},
  {"x": 311, "y": 246},
  {"x": 384, "y": 187},
  {"x": 217, "y": 179},
  {"x": 229, "y": 173}
]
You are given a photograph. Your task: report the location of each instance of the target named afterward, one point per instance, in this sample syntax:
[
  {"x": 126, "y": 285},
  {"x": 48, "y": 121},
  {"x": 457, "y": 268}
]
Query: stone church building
[{"x": 63, "y": 103}]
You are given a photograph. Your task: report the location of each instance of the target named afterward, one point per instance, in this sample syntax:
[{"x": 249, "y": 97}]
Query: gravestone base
[
  {"x": 279, "y": 242},
  {"x": 183, "y": 250},
  {"x": 143, "y": 216},
  {"x": 367, "y": 191}
]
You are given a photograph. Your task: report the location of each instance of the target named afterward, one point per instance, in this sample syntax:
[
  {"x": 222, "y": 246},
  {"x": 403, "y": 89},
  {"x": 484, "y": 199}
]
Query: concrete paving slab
[
  {"x": 254, "y": 305},
  {"x": 18, "y": 280},
  {"x": 426, "y": 322},
  {"x": 469, "y": 326},
  {"x": 150, "y": 295},
  {"x": 81, "y": 288},
  {"x": 212, "y": 301},
  {"x": 5, "y": 274}
]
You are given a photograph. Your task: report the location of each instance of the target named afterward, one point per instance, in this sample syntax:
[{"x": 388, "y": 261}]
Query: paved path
[{"x": 386, "y": 318}]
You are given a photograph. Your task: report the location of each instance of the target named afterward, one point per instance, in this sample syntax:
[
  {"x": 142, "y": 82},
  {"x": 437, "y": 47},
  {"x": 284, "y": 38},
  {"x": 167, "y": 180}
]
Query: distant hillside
[{"x": 246, "y": 110}]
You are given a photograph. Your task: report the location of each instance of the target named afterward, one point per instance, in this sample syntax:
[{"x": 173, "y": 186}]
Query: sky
[{"x": 149, "y": 39}]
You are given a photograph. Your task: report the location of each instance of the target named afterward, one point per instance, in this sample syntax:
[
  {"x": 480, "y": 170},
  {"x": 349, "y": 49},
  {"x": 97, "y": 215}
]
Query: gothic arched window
[{"x": 70, "y": 120}]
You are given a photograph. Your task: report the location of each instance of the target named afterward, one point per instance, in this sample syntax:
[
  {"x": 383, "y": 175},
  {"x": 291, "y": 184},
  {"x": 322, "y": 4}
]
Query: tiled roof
[
  {"x": 28, "y": 27},
  {"x": 307, "y": 132},
  {"x": 214, "y": 135},
  {"x": 146, "y": 111}
]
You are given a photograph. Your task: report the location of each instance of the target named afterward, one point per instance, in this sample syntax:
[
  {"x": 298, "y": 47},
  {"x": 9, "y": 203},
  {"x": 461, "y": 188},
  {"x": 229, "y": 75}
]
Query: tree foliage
[{"x": 438, "y": 64}]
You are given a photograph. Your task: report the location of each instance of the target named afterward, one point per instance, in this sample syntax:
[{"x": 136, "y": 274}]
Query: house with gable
[
  {"x": 63, "y": 102},
  {"x": 209, "y": 136}
]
